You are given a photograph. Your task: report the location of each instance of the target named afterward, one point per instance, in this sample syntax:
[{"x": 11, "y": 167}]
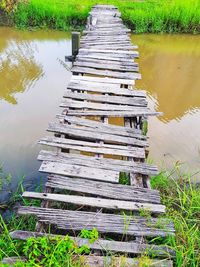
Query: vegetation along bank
[
  {"x": 182, "y": 200},
  {"x": 171, "y": 16}
]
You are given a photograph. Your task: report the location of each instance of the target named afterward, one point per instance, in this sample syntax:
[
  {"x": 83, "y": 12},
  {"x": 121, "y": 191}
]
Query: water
[
  {"x": 33, "y": 79},
  {"x": 170, "y": 67},
  {"x": 32, "y": 82}
]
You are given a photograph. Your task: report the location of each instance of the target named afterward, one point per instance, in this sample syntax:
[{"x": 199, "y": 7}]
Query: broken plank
[
  {"x": 79, "y": 171},
  {"x": 104, "y": 223},
  {"x": 97, "y": 202}
]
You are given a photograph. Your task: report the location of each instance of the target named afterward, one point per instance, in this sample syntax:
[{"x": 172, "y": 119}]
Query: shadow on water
[
  {"x": 32, "y": 82},
  {"x": 170, "y": 67}
]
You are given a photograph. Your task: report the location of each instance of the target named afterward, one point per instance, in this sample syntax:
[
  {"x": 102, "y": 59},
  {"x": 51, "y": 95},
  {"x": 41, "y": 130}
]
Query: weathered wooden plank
[
  {"x": 90, "y": 133},
  {"x": 100, "y": 244},
  {"x": 122, "y": 113},
  {"x": 91, "y": 50},
  {"x": 100, "y": 261},
  {"x": 69, "y": 103},
  {"x": 107, "y": 73},
  {"x": 93, "y": 147},
  {"x": 116, "y": 47},
  {"x": 102, "y": 189},
  {"x": 79, "y": 171},
  {"x": 99, "y": 42},
  {"x": 102, "y": 163},
  {"x": 121, "y": 62},
  {"x": 108, "y": 66},
  {"x": 96, "y": 87},
  {"x": 107, "y": 128},
  {"x": 104, "y": 223},
  {"x": 110, "y": 32},
  {"x": 103, "y": 38},
  {"x": 103, "y": 80},
  {"x": 102, "y": 56},
  {"x": 97, "y": 202},
  {"x": 131, "y": 101}
]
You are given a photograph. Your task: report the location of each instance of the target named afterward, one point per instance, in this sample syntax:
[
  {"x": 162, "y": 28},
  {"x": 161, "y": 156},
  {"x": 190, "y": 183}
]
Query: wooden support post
[{"x": 75, "y": 43}]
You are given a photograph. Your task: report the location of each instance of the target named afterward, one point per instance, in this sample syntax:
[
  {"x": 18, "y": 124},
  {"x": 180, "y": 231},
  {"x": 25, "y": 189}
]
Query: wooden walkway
[{"x": 89, "y": 153}]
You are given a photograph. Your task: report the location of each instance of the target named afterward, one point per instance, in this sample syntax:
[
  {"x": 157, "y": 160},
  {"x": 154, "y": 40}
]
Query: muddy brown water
[{"x": 33, "y": 76}]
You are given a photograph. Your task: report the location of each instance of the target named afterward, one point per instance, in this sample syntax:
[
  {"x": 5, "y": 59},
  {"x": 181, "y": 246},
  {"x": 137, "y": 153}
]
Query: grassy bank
[
  {"x": 141, "y": 16},
  {"x": 181, "y": 198}
]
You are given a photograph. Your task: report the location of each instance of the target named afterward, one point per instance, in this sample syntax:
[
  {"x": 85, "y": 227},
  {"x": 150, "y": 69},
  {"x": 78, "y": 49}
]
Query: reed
[{"x": 170, "y": 16}]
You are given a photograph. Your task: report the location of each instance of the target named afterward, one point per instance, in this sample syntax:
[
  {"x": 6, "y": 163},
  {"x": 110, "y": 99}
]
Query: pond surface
[
  {"x": 32, "y": 82},
  {"x": 170, "y": 67},
  {"x": 33, "y": 79}
]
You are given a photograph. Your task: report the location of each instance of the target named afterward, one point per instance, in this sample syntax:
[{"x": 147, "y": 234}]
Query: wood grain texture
[
  {"x": 114, "y": 204},
  {"x": 103, "y": 222}
]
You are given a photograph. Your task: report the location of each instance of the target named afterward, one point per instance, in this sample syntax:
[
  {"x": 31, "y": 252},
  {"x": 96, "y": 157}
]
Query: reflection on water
[
  {"x": 32, "y": 82},
  {"x": 170, "y": 67},
  {"x": 18, "y": 70}
]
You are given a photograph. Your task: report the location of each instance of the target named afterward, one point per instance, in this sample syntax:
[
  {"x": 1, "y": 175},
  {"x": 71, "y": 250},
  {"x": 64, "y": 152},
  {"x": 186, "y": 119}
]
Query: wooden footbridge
[{"x": 90, "y": 155}]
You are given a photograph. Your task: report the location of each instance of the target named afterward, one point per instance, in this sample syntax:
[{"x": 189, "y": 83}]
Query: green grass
[
  {"x": 145, "y": 16},
  {"x": 182, "y": 200}
]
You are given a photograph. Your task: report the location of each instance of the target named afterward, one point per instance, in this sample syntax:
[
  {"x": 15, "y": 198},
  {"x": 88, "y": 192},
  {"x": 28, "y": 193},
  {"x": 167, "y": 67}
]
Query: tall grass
[
  {"x": 145, "y": 16},
  {"x": 182, "y": 200}
]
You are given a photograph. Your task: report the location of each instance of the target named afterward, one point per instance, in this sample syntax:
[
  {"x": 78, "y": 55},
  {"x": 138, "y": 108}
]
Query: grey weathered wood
[
  {"x": 120, "y": 62},
  {"x": 102, "y": 163},
  {"x": 103, "y": 80},
  {"x": 134, "y": 113},
  {"x": 100, "y": 261},
  {"x": 107, "y": 73},
  {"x": 107, "y": 31},
  {"x": 104, "y": 223},
  {"x": 104, "y": 46},
  {"x": 93, "y": 147},
  {"x": 79, "y": 171},
  {"x": 69, "y": 103},
  {"x": 97, "y": 202},
  {"x": 108, "y": 66},
  {"x": 99, "y": 56},
  {"x": 118, "y": 52},
  {"x": 96, "y": 87},
  {"x": 100, "y": 244},
  {"x": 120, "y": 100},
  {"x": 107, "y": 128},
  {"x": 103, "y": 189},
  {"x": 92, "y": 134}
]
